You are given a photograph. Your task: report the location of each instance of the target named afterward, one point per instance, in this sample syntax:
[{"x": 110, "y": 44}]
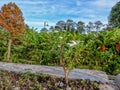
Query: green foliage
[
  {"x": 114, "y": 18},
  {"x": 44, "y": 48},
  {"x": 113, "y": 65},
  {"x": 3, "y": 43}
]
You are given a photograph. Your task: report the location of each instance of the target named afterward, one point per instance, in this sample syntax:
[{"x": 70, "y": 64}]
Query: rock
[
  {"x": 105, "y": 87},
  {"x": 44, "y": 88},
  {"x": 117, "y": 82},
  {"x": 92, "y": 75},
  {"x": 111, "y": 77},
  {"x": 16, "y": 88},
  {"x": 61, "y": 84},
  {"x": 68, "y": 88}
]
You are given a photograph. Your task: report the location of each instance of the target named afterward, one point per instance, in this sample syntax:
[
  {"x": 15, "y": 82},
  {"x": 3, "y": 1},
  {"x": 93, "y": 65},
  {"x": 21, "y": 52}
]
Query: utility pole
[{"x": 45, "y": 24}]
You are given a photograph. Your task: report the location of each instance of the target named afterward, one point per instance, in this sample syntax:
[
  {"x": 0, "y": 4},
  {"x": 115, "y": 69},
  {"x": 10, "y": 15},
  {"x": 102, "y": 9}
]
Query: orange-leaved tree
[{"x": 11, "y": 19}]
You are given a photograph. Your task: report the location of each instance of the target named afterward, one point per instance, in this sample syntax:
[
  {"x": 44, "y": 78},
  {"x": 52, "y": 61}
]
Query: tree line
[{"x": 81, "y": 27}]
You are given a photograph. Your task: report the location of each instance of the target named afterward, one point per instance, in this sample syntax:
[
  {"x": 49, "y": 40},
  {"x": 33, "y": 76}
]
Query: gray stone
[
  {"x": 68, "y": 88},
  {"x": 16, "y": 88},
  {"x": 111, "y": 77},
  {"x": 105, "y": 87},
  {"x": 117, "y": 82},
  {"x": 61, "y": 84},
  {"x": 92, "y": 75}
]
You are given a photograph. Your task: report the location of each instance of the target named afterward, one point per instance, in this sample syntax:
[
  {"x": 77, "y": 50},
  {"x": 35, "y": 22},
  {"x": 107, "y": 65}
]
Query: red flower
[
  {"x": 103, "y": 48},
  {"x": 117, "y": 47}
]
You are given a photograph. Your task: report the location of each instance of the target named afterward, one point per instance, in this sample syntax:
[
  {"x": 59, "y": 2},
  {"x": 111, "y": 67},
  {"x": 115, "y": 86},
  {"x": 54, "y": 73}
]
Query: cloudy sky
[{"x": 37, "y": 11}]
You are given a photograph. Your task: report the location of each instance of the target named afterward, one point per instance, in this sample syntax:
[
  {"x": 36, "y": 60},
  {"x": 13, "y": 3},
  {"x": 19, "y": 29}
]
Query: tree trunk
[
  {"x": 9, "y": 49},
  {"x": 66, "y": 72}
]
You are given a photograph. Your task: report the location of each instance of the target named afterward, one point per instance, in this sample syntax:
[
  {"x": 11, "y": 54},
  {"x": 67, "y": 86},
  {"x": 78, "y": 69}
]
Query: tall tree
[
  {"x": 44, "y": 30},
  {"x": 114, "y": 17},
  {"x": 70, "y": 25},
  {"x": 89, "y": 27},
  {"x": 61, "y": 24},
  {"x": 51, "y": 28},
  {"x": 11, "y": 19},
  {"x": 80, "y": 26},
  {"x": 98, "y": 25}
]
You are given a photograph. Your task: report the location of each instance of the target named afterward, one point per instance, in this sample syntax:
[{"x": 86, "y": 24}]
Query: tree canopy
[
  {"x": 11, "y": 19},
  {"x": 114, "y": 17}
]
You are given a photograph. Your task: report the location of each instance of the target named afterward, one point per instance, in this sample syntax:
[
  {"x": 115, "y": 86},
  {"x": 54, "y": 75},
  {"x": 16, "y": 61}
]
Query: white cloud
[
  {"x": 92, "y": 16},
  {"x": 24, "y": 2},
  {"x": 32, "y": 2},
  {"x": 104, "y": 3},
  {"x": 40, "y": 24},
  {"x": 79, "y": 3},
  {"x": 38, "y": 11},
  {"x": 34, "y": 23}
]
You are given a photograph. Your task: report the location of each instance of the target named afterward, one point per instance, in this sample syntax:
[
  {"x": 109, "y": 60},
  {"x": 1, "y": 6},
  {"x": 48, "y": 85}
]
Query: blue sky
[{"x": 35, "y": 12}]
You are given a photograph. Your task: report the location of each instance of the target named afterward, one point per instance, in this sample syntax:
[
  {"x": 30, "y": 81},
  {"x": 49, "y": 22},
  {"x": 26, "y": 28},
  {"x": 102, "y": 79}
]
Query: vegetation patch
[{"x": 27, "y": 81}]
